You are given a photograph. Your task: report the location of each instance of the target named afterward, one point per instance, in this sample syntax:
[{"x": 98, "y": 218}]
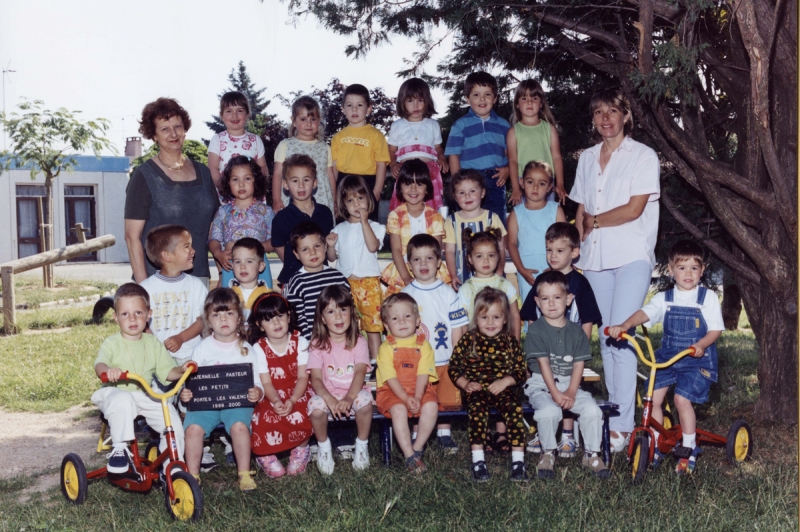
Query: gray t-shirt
[
  {"x": 563, "y": 345},
  {"x": 154, "y": 197}
]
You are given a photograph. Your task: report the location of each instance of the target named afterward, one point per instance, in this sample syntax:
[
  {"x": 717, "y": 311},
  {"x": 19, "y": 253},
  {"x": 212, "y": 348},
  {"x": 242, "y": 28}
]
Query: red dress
[{"x": 271, "y": 433}]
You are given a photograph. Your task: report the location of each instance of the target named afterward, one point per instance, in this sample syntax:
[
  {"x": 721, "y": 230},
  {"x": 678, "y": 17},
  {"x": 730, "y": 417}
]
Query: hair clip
[{"x": 270, "y": 294}]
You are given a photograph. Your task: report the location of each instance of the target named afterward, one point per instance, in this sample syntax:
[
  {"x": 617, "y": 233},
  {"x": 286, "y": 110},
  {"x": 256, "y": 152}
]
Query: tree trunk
[
  {"x": 731, "y": 306},
  {"x": 49, "y": 227}
]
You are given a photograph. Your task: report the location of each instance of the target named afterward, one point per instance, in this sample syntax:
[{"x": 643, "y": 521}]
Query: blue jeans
[{"x": 495, "y": 198}]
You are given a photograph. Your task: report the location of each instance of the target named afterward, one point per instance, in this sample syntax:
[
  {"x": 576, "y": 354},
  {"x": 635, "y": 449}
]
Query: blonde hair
[
  {"x": 531, "y": 87},
  {"x": 396, "y": 299},
  {"x": 484, "y": 300},
  {"x": 311, "y": 107},
  {"x": 611, "y": 98},
  {"x": 222, "y": 299}
]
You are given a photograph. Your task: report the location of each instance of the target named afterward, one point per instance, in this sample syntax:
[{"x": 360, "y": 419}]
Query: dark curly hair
[
  {"x": 163, "y": 108},
  {"x": 259, "y": 181}
]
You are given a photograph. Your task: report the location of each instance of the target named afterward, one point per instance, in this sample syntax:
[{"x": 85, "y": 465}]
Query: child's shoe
[
  {"x": 325, "y": 462},
  {"x": 619, "y": 441},
  {"x": 345, "y": 452},
  {"x": 547, "y": 465},
  {"x": 567, "y": 448},
  {"x": 480, "y": 473},
  {"x": 686, "y": 464},
  {"x": 298, "y": 459},
  {"x": 658, "y": 457},
  {"x": 519, "y": 473},
  {"x": 119, "y": 460},
  {"x": 271, "y": 466},
  {"x": 447, "y": 445},
  {"x": 207, "y": 463},
  {"x": 595, "y": 463},
  {"x": 415, "y": 464},
  {"x": 230, "y": 459},
  {"x": 246, "y": 482},
  {"x": 361, "y": 458},
  {"x": 534, "y": 446}
]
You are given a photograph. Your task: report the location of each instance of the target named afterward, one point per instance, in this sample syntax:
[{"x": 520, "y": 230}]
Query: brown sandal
[
  {"x": 501, "y": 443},
  {"x": 488, "y": 445}
]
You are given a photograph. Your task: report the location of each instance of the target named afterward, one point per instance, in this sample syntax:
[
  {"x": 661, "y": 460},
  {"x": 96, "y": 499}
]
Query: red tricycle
[
  {"x": 738, "y": 444},
  {"x": 182, "y": 494}
]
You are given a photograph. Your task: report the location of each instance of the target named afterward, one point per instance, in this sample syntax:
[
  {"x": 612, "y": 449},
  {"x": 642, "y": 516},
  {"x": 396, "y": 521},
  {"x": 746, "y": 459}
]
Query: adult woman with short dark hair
[
  {"x": 168, "y": 189},
  {"x": 617, "y": 189}
]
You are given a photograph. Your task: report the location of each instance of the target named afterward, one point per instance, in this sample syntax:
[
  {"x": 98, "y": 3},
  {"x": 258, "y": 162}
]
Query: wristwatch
[{"x": 596, "y": 225}]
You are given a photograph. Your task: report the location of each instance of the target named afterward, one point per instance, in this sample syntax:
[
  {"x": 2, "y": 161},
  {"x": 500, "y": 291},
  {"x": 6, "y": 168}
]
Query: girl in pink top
[{"x": 338, "y": 360}]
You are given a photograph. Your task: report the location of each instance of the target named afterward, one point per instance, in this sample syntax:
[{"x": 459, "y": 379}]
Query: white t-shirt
[
  {"x": 302, "y": 353},
  {"x": 633, "y": 170},
  {"x": 351, "y": 249},
  {"x": 403, "y": 133},
  {"x": 210, "y": 352},
  {"x": 227, "y": 147},
  {"x": 417, "y": 224},
  {"x": 441, "y": 311},
  {"x": 176, "y": 303},
  {"x": 711, "y": 310}
]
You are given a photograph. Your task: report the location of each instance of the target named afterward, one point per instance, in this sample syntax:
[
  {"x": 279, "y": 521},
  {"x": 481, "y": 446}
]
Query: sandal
[
  {"x": 501, "y": 443},
  {"x": 488, "y": 445}
]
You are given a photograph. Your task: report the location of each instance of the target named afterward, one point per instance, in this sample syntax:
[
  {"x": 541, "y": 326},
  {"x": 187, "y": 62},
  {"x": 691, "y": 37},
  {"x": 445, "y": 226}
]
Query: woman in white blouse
[{"x": 617, "y": 190}]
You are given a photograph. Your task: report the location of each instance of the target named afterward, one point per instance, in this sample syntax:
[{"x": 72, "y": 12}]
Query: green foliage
[
  {"x": 674, "y": 74},
  {"x": 192, "y": 149}
]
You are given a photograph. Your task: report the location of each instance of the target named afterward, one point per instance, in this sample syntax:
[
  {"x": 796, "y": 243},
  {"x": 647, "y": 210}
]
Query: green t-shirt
[
  {"x": 563, "y": 345},
  {"x": 144, "y": 357}
]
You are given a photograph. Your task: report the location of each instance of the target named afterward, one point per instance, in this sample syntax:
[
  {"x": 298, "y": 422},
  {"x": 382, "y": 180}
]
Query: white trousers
[
  {"x": 120, "y": 408},
  {"x": 548, "y": 414},
  {"x": 619, "y": 293}
]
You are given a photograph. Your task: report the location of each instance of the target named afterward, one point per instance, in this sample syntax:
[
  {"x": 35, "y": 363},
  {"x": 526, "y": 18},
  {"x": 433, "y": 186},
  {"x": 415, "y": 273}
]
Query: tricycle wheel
[
  {"x": 151, "y": 451},
  {"x": 669, "y": 420},
  {"x": 188, "y": 502},
  {"x": 640, "y": 458},
  {"x": 73, "y": 479},
  {"x": 739, "y": 446}
]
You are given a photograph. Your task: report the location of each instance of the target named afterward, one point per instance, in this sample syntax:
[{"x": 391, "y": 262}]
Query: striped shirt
[
  {"x": 303, "y": 290},
  {"x": 480, "y": 144}
]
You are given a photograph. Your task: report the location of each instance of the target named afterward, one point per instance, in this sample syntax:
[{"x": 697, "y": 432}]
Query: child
[
  {"x": 310, "y": 248},
  {"x": 483, "y": 254},
  {"x": 563, "y": 246},
  {"x": 406, "y": 365},
  {"x": 359, "y": 148},
  {"x": 338, "y": 361},
  {"x": 305, "y": 138},
  {"x": 177, "y": 297},
  {"x": 468, "y": 189},
  {"x": 412, "y": 217},
  {"x": 556, "y": 350},
  {"x": 143, "y": 354},
  {"x": 234, "y": 111},
  {"x": 444, "y": 321},
  {"x": 354, "y": 244},
  {"x": 243, "y": 213},
  {"x": 299, "y": 179},
  {"x": 488, "y": 364},
  {"x": 477, "y": 141},
  {"x": 224, "y": 344},
  {"x": 248, "y": 261},
  {"x": 534, "y": 137},
  {"x": 280, "y": 421},
  {"x": 415, "y": 135},
  {"x": 532, "y": 218},
  {"x": 697, "y": 307}
]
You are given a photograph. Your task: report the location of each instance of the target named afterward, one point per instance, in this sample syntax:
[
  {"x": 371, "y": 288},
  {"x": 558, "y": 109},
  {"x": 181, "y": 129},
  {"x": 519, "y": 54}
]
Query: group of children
[{"x": 452, "y": 328}]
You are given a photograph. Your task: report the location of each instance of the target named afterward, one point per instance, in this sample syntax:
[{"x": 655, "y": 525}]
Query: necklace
[
  {"x": 415, "y": 130},
  {"x": 177, "y": 166}
]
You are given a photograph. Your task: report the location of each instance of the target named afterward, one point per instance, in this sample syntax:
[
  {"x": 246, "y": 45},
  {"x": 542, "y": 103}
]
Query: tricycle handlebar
[{"x": 126, "y": 375}]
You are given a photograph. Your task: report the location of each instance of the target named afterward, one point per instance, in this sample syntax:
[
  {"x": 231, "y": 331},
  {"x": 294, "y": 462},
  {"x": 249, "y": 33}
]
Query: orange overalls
[{"x": 406, "y": 363}]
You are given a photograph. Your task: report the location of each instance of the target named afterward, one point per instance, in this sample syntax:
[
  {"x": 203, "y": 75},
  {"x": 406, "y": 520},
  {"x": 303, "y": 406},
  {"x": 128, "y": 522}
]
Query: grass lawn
[
  {"x": 30, "y": 292},
  {"x": 51, "y": 372}
]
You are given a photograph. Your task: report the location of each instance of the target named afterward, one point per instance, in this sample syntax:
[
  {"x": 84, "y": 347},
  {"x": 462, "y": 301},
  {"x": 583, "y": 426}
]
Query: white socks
[
  {"x": 477, "y": 456},
  {"x": 325, "y": 445},
  {"x": 690, "y": 440},
  {"x": 360, "y": 443},
  {"x": 517, "y": 456},
  {"x": 443, "y": 432}
]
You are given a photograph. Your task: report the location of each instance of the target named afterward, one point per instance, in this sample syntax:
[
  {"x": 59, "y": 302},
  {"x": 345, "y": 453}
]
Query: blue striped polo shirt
[{"x": 480, "y": 145}]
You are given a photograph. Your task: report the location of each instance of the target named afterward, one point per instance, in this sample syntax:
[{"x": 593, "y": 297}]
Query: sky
[{"x": 109, "y": 58}]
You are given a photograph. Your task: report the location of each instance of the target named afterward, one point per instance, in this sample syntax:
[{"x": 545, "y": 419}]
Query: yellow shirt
[
  {"x": 427, "y": 362},
  {"x": 356, "y": 150}
]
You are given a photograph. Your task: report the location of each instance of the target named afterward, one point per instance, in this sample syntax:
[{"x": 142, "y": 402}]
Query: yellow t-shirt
[
  {"x": 356, "y": 150},
  {"x": 427, "y": 362}
]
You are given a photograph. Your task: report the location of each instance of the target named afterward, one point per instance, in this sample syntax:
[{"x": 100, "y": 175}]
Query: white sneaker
[
  {"x": 346, "y": 452},
  {"x": 207, "y": 463},
  {"x": 325, "y": 461},
  {"x": 361, "y": 458},
  {"x": 619, "y": 441},
  {"x": 119, "y": 460}
]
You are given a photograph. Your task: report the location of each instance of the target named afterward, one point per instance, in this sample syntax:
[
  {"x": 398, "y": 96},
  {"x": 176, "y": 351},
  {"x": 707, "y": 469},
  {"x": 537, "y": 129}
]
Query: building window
[{"x": 79, "y": 207}]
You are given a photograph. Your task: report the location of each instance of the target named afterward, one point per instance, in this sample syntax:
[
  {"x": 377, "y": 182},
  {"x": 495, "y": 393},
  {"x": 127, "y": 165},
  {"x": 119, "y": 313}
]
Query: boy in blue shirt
[{"x": 477, "y": 141}]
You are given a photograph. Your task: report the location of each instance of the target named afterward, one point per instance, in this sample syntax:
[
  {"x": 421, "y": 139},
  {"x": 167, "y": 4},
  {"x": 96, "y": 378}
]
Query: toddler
[
  {"x": 692, "y": 318},
  {"x": 339, "y": 361},
  {"x": 247, "y": 258},
  {"x": 488, "y": 364}
]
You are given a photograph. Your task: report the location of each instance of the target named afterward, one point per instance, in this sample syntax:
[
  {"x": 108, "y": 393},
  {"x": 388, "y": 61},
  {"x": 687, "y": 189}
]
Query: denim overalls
[{"x": 684, "y": 326}]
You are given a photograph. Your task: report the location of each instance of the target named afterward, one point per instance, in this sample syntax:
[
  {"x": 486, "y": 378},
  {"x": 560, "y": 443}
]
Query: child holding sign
[{"x": 224, "y": 343}]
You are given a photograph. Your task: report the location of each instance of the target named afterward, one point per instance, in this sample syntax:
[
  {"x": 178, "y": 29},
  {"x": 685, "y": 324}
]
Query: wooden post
[
  {"x": 9, "y": 305},
  {"x": 80, "y": 232},
  {"x": 42, "y": 243}
]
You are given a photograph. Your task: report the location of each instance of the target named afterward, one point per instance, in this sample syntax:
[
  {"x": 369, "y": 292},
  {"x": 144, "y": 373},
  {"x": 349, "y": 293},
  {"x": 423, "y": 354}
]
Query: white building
[{"x": 92, "y": 194}]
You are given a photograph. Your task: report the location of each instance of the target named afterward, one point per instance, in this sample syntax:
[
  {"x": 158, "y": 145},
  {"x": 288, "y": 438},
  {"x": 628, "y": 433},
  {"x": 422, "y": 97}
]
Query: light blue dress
[{"x": 530, "y": 240}]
